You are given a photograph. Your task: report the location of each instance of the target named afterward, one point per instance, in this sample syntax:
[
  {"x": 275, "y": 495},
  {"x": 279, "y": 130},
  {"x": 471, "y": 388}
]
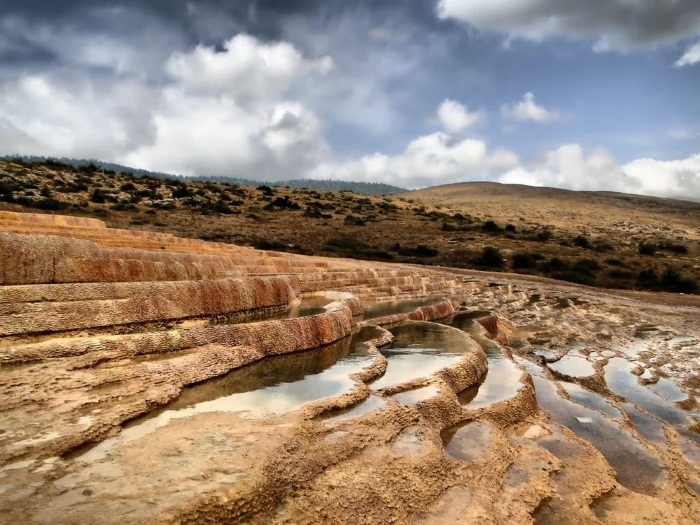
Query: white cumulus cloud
[
  {"x": 231, "y": 112},
  {"x": 690, "y": 57},
  {"x": 456, "y": 118},
  {"x": 570, "y": 167},
  {"x": 429, "y": 160},
  {"x": 527, "y": 109}
]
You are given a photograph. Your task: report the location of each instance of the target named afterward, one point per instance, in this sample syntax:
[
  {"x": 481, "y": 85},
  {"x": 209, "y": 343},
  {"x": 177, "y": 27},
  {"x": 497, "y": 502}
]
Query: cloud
[
  {"x": 613, "y": 24},
  {"x": 245, "y": 70},
  {"x": 226, "y": 113},
  {"x": 456, "y": 118},
  {"x": 56, "y": 114},
  {"x": 527, "y": 109},
  {"x": 570, "y": 167},
  {"x": 223, "y": 112},
  {"x": 429, "y": 160},
  {"x": 690, "y": 57}
]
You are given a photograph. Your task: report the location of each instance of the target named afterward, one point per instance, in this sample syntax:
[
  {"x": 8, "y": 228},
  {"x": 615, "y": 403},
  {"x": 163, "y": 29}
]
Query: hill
[
  {"x": 599, "y": 239},
  {"x": 559, "y": 207},
  {"x": 110, "y": 168}
]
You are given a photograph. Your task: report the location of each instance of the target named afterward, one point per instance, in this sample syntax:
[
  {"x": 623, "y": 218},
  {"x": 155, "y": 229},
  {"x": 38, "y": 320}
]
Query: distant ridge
[{"x": 369, "y": 188}]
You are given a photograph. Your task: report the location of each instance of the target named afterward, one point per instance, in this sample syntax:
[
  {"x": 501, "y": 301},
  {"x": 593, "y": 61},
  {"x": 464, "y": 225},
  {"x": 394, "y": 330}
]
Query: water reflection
[
  {"x": 419, "y": 350},
  {"x": 384, "y": 308},
  {"x": 267, "y": 388},
  {"x": 637, "y": 469}
]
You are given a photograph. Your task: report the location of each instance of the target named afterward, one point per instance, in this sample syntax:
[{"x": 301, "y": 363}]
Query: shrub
[
  {"x": 353, "y": 220},
  {"x": 602, "y": 247},
  {"x": 123, "y": 206},
  {"x": 282, "y": 203},
  {"x": 127, "y": 186},
  {"x": 49, "y": 204},
  {"x": 490, "y": 257},
  {"x": 510, "y": 228},
  {"x": 97, "y": 196},
  {"x": 181, "y": 192},
  {"x": 490, "y": 227},
  {"x": 575, "y": 275},
  {"x": 75, "y": 187},
  {"x": 582, "y": 242},
  {"x": 315, "y": 213},
  {"x": 555, "y": 263},
  {"x": 266, "y": 190},
  {"x": 543, "y": 235},
  {"x": 616, "y": 262},
  {"x": 646, "y": 248},
  {"x": 448, "y": 227},
  {"x": 524, "y": 260},
  {"x": 679, "y": 249},
  {"x": 419, "y": 251},
  {"x": 356, "y": 249},
  {"x": 670, "y": 281},
  {"x": 621, "y": 274},
  {"x": 221, "y": 207},
  {"x": 588, "y": 265},
  {"x": 262, "y": 244}
]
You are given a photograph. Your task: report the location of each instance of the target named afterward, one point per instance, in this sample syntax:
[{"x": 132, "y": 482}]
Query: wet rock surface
[{"x": 188, "y": 382}]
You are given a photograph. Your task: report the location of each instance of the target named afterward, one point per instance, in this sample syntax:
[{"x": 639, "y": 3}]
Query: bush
[
  {"x": 646, "y": 248},
  {"x": 49, "y": 204},
  {"x": 616, "y": 262},
  {"x": 221, "y": 207},
  {"x": 123, "y": 206},
  {"x": 543, "y": 235},
  {"x": 679, "y": 249},
  {"x": 555, "y": 263},
  {"x": 356, "y": 249},
  {"x": 316, "y": 213},
  {"x": 262, "y": 244},
  {"x": 127, "y": 186},
  {"x": 266, "y": 190},
  {"x": 419, "y": 251},
  {"x": 524, "y": 260},
  {"x": 575, "y": 275},
  {"x": 354, "y": 221},
  {"x": 588, "y": 265},
  {"x": 621, "y": 274},
  {"x": 510, "y": 228},
  {"x": 98, "y": 196},
  {"x": 182, "y": 192},
  {"x": 75, "y": 187},
  {"x": 602, "y": 247},
  {"x": 490, "y": 258},
  {"x": 670, "y": 281},
  {"x": 490, "y": 227},
  {"x": 582, "y": 242},
  {"x": 282, "y": 203}
]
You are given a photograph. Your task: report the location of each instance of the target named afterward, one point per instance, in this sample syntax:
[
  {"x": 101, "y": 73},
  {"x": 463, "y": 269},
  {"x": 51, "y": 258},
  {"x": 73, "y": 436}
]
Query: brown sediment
[{"x": 100, "y": 340}]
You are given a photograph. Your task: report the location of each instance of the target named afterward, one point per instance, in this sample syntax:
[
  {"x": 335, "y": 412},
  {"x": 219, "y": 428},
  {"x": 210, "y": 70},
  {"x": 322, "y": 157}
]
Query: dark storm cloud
[
  {"x": 614, "y": 23},
  {"x": 32, "y": 31}
]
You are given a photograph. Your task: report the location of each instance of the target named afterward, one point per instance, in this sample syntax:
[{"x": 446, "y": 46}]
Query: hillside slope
[{"x": 615, "y": 241}]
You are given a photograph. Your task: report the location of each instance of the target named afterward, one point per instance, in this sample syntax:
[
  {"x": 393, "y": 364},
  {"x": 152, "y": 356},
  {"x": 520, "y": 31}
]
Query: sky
[{"x": 594, "y": 95}]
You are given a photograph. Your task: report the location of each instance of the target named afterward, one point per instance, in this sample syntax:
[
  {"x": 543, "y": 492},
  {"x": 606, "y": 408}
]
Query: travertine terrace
[{"x": 153, "y": 379}]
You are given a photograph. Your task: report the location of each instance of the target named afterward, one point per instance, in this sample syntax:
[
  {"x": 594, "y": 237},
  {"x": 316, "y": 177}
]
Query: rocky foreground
[{"x": 147, "y": 378}]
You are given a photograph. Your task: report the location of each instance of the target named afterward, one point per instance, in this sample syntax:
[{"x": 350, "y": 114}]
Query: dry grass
[{"x": 529, "y": 226}]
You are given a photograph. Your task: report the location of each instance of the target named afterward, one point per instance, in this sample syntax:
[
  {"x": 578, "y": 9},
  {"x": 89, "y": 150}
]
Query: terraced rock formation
[{"x": 147, "y": 378}]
